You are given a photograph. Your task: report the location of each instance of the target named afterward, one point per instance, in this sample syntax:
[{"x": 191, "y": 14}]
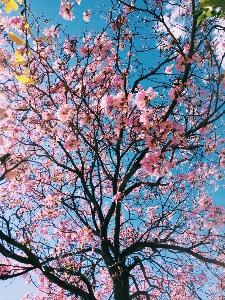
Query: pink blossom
[
  {"x": 203, "y": 93},
  {"x": 84, "y": 49},
  {"x": 71, "y": 143},
  {"x": 180, "y": 63},
  {"x": 151, "y": 163},
  {"x": 168, "y": 70},
  {"x": 47, "y": 115},
  {"x": 149, "y": 141},
  {"x": 118, "y": 197},
  {"x": 51, "y": 32},
  {"x": 157, "y": 3},
  {"x": 223, "y": 84},
  {"x": 17, "y": 23},
  {"x": 176, "y": 140},
  {"x": 145, "y": 118},
  {"x": 65, "y": 113},
  {"x": 107, "y": 102},
  {"x": 66, "y": 10},
  {"x": 87, "y": 15},
  {"x": 86, "y": 235},
  {"x": 172, "y": 94},
  {"x": 1, "y": 53},
  {"x": 4, "y": 21},
  {"x": 186, "y": 48},
  {"x": 126, "y": 9},
  {"x": 174, "y": 91},
  {"x": 69, "y": 46},
  {"x": 141, "y": 99},
  {"x": 151, "y": 94}
]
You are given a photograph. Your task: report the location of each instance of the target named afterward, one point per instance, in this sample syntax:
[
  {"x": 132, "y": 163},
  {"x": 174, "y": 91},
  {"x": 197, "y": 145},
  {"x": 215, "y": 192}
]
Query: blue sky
[{"x": 15, "y": 289}]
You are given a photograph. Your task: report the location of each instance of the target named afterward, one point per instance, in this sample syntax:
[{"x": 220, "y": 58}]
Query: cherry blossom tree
[{"x": 112, "y": 144}]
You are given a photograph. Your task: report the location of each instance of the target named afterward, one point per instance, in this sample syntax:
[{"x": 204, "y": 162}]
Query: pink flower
[
  {"x": 126, "y": 9},
  {"x": 66, "y": 10},
  {"x": 168, "y": 70},
  {"x": 157, "y": 3},
  {"x": 65, "y": 113},
  {"x": 106, "y": 102},
  {"x": 145, "y": 118},
  {"x": 1, "y": 53},
  {"x": 71, "y": 143},
  {"x": 84, "y": 50},
  {"x": 186, "y": 48},
  {"x": 69, "y": 46},
  {"x": 203, "y": 93},
  {"x": 180, "y": 63},
  {"x": 118, "y": 197},
  {"x": 172, "y": 94},
  {"x": 176, "y": 140},
  {"x": 175, "y": 91},
  {"x": 16, "y": 23},
  {"x": 87, "y": 15},
  {"x": 52, "y": 32},
  {"x": 141, "y": 99},
  {"x": 151, "y": 163}
]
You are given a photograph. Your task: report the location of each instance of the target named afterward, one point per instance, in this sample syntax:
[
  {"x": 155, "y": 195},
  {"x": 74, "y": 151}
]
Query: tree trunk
[{"x": 121, "y": 287}]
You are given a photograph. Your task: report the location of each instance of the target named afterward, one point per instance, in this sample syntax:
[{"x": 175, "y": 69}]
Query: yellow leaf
[
  {"x": 3, "y": 115},
  {"x": 27, "y": 26},
  {"x": 59, "y": 182},
  {"x": 1, "y": 141},
  {"x": 16, "y": 39},
  {"x": 25, "y": 79},
  {"x": 6, "y": 129},
  {"x": 43, "y": 39},
  {"x": 11, "y": 5},
  {"x": 23, "y": 108},
  {"x": 19, "y": 59},
  {"x": 16, "y": 202},
  {"x": 20, "y": 1},
  {"x": 11, "y": 174}
]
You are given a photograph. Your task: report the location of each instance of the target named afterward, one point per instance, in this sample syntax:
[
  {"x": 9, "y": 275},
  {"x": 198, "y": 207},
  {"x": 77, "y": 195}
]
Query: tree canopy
[{"x": 112, "y": 144}]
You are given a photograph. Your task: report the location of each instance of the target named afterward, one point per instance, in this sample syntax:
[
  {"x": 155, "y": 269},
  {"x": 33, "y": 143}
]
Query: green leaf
[
  {"x": 213, "y": 3},
  {"x": 202, "y": 18}
]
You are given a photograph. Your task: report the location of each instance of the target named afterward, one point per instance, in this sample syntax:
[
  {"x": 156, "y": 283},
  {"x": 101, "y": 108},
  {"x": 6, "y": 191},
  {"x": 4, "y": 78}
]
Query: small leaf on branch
[
  {"x": 27, "y": 26},
  {"x": 3, "y": 115},
  {"x": 19, "y": 59},
  {"x": 16, "y": 39},
  {"x": 213, "y": 3},
  {"x": 44, "y": 39},
  {"x": 11, "y": 5},
  {"x": 1, "y": 141},
  {"x": 25, "y": 79},
  {"x": 23, "y": 108},
  {"x": 11, "y": 174},
  {"x": 6, "y": 129}
]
